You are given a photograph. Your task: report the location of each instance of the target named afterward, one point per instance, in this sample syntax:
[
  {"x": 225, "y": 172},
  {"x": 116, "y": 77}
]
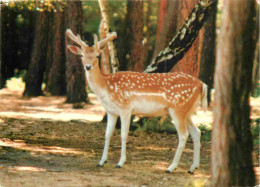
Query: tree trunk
[
  {"x": 163, "y": 7},
  {"x": 135, "y": 31},
  {"x": 189, "y": 63},
  {"x": 9, "y": 43},
  {"x": 112, "y": 50},
  {"x": 148, "y": 33},
  {"x": 2, "y": 79},
  {"x": 183, "y": 40},
  {"x": 75, "y": 74},
  {"x": 169, "y": 27},
  {"x": 207, "y": 58},
  {"x": 34, "y": 76},
  {"x": 231, "y": 139},
  {"x": 104, "y": 55},
  {"x": 56, "y": 76}
]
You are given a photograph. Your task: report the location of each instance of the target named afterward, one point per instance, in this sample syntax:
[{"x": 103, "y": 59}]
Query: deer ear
[{"x": 74, "y": 49}]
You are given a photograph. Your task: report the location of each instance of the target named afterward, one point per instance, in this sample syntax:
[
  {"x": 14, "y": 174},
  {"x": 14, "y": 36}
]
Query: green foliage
[
  {"x": 46, "y": 5},
  {"x": 155, "y": 125},
  {"x": 91, "y": 11},
  {"x": 205, "y": 132},
  {"x": 166, "y": 126}
]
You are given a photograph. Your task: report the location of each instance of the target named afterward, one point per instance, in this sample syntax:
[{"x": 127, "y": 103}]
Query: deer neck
[{"x": 96, "y": 80}]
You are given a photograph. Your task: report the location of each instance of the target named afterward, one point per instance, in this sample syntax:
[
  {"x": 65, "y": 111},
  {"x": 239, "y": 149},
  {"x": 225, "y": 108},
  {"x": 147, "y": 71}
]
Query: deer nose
[{"x": 88, "y": 67}]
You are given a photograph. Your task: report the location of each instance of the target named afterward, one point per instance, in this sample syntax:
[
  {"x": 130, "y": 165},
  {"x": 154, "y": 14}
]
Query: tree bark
[
  {"x": 207, "y": 58},
  {"x": 34, "y": 76},
  {"x": 104, "y": 56},
  {"x": 75, "y": 74},
  {"x": 135, "y": 31},
  {"x": 163, "y": 7},
  {"x": 189, "y": 63},
  {"x": 9, "y": 43},
  {"x": 231, "y": 139},
  {"x": 112, "y": 50},
  {"x": 56, "y": 77},
  {"x": 169, "y": 27},
  {"x": 183, "y": 40}
]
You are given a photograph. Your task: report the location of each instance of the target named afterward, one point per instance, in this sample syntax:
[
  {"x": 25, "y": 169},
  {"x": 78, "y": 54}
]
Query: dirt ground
[{"x": 44, "y": 142}]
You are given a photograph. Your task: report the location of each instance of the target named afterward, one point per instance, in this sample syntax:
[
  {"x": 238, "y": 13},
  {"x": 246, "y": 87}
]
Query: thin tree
[
  {"x": 207, "y": 58},
  {"x": 232, "y": 144},
  {"x": 106, "y": 21}
]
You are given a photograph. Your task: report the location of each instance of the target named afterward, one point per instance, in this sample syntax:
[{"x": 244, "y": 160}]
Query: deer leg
[
  {"x": 111, "y": 121},
  {"x": 195, "y": 134},
  {"x": 183, "y": 136},
  {"x": 125, "y": 123}
]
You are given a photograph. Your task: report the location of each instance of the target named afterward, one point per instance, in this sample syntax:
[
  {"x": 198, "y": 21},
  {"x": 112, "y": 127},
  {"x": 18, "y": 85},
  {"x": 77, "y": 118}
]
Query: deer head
[{"x": 88, "y": 54}]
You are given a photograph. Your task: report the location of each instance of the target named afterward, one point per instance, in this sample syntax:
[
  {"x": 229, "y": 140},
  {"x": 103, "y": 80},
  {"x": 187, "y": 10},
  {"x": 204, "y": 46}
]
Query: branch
[
  {"x": 184, "y": 39},
  {"x": 111, "y": 47}
]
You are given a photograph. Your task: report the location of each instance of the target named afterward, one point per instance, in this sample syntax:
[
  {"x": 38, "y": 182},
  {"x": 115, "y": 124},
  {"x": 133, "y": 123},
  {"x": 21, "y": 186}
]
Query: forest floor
[{"x": 44, "y": 142}]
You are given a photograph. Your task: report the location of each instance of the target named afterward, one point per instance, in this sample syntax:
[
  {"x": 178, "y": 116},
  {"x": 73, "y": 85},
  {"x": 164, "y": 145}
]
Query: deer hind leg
[
  {"x": 195, "y": 134},
  {"x": 183, "y": 136},
  {"x": 111, "y": 121},
  {"x": 125, "y": 123}
]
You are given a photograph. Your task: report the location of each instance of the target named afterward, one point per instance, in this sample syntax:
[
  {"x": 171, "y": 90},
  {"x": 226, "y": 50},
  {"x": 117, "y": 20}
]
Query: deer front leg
[
  {"x": 125, "y": 123},
  {"x": 111, "y": 121}
]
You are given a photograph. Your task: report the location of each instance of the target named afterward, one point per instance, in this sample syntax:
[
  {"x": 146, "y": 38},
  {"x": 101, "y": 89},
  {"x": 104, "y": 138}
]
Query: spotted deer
[{"x": 131, "y": 93}]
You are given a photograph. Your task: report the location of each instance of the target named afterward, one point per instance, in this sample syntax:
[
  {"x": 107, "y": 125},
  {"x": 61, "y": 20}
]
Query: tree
[
  {"x": 169, "y": 27},
  {"x": 56, "y": 82},
  {"x": 106, "y": 23},
  {"x": 183, "y": 40},
  {"x": 34, "y": 76},
  {"x": 207, "y": 58},
  {"x": 163, "y": 7},
  {"x": 75, "y": 74},
  {"x": 8, "y": 43},
  {"x": 135, "y": 21},
  {"x": 104, "y": 54},
  {"x": 232, "y": 140},
  {"x": 189, "y": 63}
]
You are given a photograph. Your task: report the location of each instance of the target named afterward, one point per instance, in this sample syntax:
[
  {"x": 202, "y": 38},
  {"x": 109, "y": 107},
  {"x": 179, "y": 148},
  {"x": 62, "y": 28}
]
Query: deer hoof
[
  {"x": 118, "y": 166},
  {"x": 190, "y": 172}
]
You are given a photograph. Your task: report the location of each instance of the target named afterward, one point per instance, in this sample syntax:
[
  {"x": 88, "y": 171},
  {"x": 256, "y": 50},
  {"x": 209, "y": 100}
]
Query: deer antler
[
  {"x": 74, "y": 38},
  {"x": 101, "y": 44},
  {"x": 112, "y": 36}
]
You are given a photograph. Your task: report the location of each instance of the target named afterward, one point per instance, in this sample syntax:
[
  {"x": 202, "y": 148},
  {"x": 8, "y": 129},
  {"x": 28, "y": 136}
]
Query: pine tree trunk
[
  {"x": 183, "y": 40},
  {"x": 163, "y": 7},
  {"x": 189, "y": 63},
  {"x": 232, "y": 144},
  {"x": 9, "y": 43},
  {"x": 56, "y": 76},
  {"x": 75, "y": 74},
  {"x": 136, "y": 24},
  {"x": 169, "y": 27},
  {"x": 207, "y": 58},
  {"x": 34, "y": 76}
]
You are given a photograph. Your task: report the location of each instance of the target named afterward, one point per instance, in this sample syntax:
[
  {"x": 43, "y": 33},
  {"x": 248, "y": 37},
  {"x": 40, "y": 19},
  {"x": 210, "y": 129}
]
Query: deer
[{"x": 147, "y": 94}]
